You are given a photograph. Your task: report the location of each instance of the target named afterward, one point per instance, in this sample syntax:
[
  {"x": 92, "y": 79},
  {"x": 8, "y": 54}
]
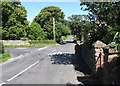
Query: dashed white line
[
  {"x": 52, "y": 52},
  {"x": 23, "y": 71},
  {"x": 59, "y": 53},
  {"x": 20, "y": 48},
  {"x": 43, "y": 48}
]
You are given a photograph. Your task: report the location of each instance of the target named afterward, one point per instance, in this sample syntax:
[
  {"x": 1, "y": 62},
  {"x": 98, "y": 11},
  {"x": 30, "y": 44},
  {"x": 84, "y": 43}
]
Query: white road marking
[
  {"x": 20, "y": 56},
  {"x": 22, "y": 71},
  {"x": 59, "y": 53},
  {"x": 43, "y": 48},
  {"x": 52, "y": 52},
  {"x": 20, "y": 48},
  {"x": 2, "y": 83}
]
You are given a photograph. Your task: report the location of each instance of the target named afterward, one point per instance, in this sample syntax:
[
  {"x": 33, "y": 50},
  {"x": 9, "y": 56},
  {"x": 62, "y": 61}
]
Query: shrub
[{"x": 42, "y": 42}]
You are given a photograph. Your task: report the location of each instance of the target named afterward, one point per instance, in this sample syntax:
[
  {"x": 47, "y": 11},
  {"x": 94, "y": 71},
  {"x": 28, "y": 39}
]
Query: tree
[
  {"x": 79, "y": 24},
  {"x": 62, "y": 30},
  {"x": 35, "y": 32},
  {"x": 45, "y": 20},
  {"x": 14, "y": 21},
  {"x": 108, "y": 12}
]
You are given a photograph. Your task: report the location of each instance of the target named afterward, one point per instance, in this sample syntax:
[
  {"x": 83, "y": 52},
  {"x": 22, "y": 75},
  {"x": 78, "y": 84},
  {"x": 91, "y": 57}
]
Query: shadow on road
[
  {"x": 64, "y": 58},
  {"x": 79, "y": 61},
  {"x": 87, "y": 80}
]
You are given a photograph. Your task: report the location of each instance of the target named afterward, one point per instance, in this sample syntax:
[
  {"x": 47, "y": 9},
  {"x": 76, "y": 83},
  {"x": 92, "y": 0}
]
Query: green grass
[{"x": 4, "y": 57}]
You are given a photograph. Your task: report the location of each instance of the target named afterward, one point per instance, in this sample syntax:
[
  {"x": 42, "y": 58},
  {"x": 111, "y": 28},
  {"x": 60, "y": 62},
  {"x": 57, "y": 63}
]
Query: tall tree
[
  {"x": 108, "y": 12},
  {"x": 35, "y": 32},
  {"x": 78, "y": 24},
  {"x": 14, "y": 20},
  {"x": 45, "y": 19}
]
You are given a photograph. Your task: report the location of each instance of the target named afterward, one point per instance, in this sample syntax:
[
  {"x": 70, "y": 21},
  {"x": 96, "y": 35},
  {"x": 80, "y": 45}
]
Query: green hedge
[{"x": 42, "y": 42}]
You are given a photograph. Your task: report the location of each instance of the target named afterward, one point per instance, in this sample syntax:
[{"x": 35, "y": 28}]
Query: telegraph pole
[{"x": 53, "y": 28}]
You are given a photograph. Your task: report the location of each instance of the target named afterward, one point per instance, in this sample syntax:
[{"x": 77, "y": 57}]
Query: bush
[
  {"x": 42, "y": 42},
  {"x": 115, "y": 45},
  {"x": 35, "y": 32},
  {"x": 64, "y": 37}
]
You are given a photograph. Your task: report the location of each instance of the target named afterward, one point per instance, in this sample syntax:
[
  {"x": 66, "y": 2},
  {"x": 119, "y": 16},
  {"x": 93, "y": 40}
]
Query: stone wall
[
  {"x": 85, "y": 58},
  {"x": 14, "y": 42}
]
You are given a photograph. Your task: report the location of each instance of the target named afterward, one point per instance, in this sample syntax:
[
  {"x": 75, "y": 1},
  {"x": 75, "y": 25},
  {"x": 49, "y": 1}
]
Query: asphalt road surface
[{"x": 47, "y": 65}]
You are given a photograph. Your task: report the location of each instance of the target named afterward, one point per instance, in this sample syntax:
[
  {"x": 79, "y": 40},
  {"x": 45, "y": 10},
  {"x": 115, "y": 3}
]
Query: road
[{"x": 47, "y": 65}]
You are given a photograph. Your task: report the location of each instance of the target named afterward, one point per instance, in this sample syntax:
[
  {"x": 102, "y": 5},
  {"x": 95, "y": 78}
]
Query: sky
[{"x": 69, "y": 8}]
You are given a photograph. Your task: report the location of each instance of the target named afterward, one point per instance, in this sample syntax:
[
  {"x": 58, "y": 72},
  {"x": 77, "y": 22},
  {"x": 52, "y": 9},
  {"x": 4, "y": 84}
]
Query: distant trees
[
  {"x": 35, "y": 32},
  {"x": 80, "y": 26},
  {"x": 45, "y": 20}
]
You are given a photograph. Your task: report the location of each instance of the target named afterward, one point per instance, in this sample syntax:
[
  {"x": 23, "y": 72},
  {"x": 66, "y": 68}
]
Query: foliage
[
  {"x": 14, "y": 21},
  {"x": 15, "y": 25},
  {"x": 80, "y": 26},
  {"x": 62, "y": 30},
  {"x": 4, "y": 57},
  {"x": 41, "y": 43},
  {"x": 64, "y": 37},
  {"x": 107, "y": 12},
  {"x": 35, "y": 32},
  {"x": 45, "y": 19}
]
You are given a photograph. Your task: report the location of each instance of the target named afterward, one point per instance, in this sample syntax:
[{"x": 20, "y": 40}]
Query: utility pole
[{"x": 53, "y": 28}]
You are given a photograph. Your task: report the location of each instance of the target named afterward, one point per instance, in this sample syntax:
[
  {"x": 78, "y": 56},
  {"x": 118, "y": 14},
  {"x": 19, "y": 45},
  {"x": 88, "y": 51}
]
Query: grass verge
[{"x": 4, "y": 57}]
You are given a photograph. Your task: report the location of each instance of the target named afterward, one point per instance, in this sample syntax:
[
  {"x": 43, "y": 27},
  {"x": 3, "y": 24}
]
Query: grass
[{"x": 4, "y": 57}]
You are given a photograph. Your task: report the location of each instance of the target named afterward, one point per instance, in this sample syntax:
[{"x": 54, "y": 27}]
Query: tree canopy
[
  {"x": 15, "y": 25},
  {"x": 45, "y": 20},
  {"x": 108, "y": 16},
  {"x": 80, "y": 25},
  {"x": 35, "y": 32},
  {"x": 14, "y": 20}
]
